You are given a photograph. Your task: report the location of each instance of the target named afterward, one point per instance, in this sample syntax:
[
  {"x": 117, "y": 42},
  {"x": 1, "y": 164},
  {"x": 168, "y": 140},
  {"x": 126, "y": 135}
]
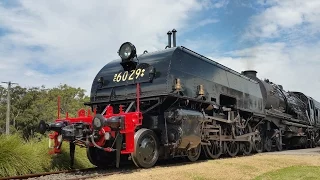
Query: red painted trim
[
  {"x": 132, "y": 121},
  {"x": 58, "y": 107},
  {"x": 138, "y": 97},
  {"x": 54, "y": 137}
]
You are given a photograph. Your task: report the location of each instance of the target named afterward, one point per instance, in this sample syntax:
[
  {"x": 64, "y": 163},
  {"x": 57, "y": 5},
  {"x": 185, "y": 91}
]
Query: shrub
[{"x": 18, "y": 157}]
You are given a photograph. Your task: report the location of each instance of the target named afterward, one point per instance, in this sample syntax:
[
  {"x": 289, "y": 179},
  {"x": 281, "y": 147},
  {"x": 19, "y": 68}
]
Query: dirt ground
[{"x": 228, "y": 168}]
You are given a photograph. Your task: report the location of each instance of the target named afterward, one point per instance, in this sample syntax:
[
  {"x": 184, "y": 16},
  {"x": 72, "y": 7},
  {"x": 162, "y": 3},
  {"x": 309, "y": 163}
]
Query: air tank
[{"x": 276, "y": 98}]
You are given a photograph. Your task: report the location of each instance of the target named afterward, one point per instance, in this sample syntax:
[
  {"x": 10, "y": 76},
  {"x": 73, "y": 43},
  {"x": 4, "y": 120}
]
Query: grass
[
  {"x": 293, "y": 172},
  {"x": 259, "y": 166},
  {"x": 18, "y": 157}
]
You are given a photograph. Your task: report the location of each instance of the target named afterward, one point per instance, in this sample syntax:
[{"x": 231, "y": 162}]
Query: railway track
[
  {"x": 73, "y": 174},
  {"x": 77, "y": 174}
]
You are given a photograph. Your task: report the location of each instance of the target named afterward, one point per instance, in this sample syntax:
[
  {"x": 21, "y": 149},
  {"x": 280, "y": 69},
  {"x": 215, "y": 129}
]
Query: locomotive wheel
[
  {"x": 257, "y": 141},
  {"x": 214, "y": 150},
  {"x": 101, "y": 158},
  {"x": 246, "y": 147},
  {"x": 279, "y": 143},
  {"x": 311, "y": 142},
  {"x": 146, "y": 151},
  {"x": 232, "y": 147},
  {"x": 268, "y": 144},
  {"x": 304, "y": 142},
  {"x": 194, "y": 153}
]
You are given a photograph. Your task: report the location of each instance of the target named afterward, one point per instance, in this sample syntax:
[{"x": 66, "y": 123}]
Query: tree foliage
[{"x": 30, "y": 105}]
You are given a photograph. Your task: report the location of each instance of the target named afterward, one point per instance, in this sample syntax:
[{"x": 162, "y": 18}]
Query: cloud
[
  {"x": 53, "y": 42},
  {"x": 285, "y": 17},
  {"x": 207, "y": 21},
  {"x": 296, "y": 68},
  {"x": 286, "y": 43},
  {"x": 215, "y": 3}
]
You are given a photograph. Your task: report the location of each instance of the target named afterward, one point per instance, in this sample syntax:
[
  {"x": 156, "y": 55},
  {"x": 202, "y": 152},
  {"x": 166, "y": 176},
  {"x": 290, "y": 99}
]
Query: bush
[{"x": 18, "y": 157}]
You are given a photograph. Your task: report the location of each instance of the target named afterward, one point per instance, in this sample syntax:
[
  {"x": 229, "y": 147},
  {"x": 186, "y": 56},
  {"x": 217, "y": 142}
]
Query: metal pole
[{"x": 8, "y": 107}]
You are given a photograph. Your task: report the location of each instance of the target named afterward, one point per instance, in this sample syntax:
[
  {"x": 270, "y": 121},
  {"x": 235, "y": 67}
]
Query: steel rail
[{"x": 26, "y": 176}]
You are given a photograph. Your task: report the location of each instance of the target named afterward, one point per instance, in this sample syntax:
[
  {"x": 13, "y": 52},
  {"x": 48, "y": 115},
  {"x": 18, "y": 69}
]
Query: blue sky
[
  {"x": 53, "y": 42},
  {"x": 232, "y": 20}
]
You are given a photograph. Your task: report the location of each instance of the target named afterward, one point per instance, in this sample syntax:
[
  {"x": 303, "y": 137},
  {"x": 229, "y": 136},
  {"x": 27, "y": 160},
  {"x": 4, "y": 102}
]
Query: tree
[{"x": 30, "y": 105}]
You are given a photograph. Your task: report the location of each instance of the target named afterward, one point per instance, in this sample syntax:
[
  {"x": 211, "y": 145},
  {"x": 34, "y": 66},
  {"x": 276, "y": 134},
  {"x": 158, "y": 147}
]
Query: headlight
[{"x": 127, "y": 51}]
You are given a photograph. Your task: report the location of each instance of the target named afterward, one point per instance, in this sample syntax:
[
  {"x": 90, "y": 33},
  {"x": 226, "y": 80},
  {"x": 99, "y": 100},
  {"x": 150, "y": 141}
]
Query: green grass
[
  {"x": 293, "y": 172},
  {"x": 18, "y": 157}
]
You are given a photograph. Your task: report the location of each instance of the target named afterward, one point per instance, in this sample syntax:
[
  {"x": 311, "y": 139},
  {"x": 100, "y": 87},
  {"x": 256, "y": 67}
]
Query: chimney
[
  {"x": 174, "y": 37},
  {"x": 250, "y": 73},
  {"x": 169, "y": 38}
]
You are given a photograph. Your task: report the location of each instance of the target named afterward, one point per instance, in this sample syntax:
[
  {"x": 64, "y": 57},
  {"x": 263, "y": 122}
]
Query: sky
[{"x": 67, "y": 42}]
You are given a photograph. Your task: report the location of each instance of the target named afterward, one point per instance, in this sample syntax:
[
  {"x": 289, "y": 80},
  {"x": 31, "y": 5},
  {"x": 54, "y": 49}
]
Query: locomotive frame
[{"x": 178, "y": 103}]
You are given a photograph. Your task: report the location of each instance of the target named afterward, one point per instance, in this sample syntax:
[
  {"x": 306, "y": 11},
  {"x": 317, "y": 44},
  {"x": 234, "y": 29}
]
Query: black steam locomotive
[{"x": 178, "y": 103}]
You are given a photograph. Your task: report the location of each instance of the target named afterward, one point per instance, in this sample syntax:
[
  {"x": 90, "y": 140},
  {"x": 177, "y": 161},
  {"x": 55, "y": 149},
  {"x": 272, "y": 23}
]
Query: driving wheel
[
  {"x": 257, "y": 140},
  {"x": 246, "y": 147},
  {"x": 232, "y": 146},
  {"x": 268, "y": 144},
  {"x": 214, "y": 150}
]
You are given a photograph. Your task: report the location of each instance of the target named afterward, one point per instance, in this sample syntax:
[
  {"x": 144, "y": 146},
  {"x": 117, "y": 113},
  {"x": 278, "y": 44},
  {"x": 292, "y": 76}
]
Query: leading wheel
[
  {"x": 100, "y": 158},
  {"x": 146, "y": 148}
]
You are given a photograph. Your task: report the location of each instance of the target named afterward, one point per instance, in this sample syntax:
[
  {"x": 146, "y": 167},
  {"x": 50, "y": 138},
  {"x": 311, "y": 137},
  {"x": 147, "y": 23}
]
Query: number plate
[{"x": 129, "y": 75}]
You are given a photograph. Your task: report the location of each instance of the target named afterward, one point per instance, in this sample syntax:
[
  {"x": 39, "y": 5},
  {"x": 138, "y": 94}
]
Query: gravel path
[{"x": 311, "y": 151}]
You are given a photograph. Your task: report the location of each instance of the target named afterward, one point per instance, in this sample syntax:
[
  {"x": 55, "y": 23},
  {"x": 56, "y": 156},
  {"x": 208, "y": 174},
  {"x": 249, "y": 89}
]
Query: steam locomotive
[{"x": 178, "y": 103}]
